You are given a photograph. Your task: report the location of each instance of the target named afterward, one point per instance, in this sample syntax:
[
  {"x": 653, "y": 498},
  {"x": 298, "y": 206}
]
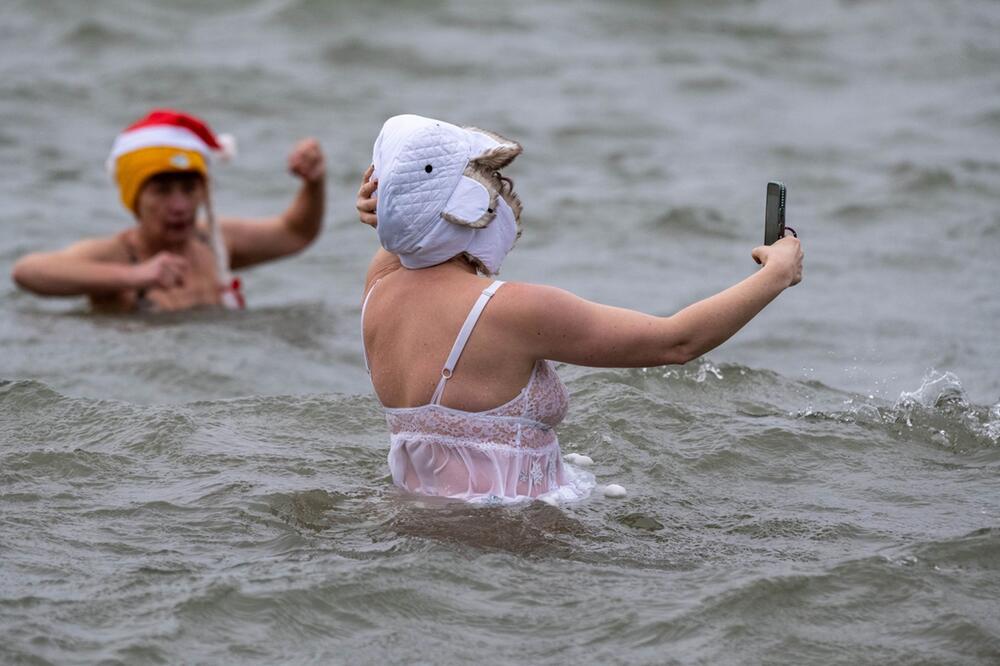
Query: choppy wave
[
  {"x": 937, "y": 412},
  {"x": 729, "y": 478}
]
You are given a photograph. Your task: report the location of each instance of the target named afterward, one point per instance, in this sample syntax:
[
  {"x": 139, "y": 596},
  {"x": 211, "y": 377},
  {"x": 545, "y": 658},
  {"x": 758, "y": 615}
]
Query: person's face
[{"x": 167, "y": 206}]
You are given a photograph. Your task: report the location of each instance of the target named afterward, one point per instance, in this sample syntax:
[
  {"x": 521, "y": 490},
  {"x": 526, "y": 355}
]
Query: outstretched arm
[
  {"x": 94, "y": 267},
  {"x": 556, "y": 325},
  {"x": 252, "y": 241}
]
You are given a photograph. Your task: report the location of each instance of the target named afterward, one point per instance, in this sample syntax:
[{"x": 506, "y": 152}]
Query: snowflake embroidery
[{"x": 536, "y": 472}]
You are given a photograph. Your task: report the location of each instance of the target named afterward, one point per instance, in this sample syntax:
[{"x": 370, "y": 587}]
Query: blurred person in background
[{"x": 172, "y": 259}]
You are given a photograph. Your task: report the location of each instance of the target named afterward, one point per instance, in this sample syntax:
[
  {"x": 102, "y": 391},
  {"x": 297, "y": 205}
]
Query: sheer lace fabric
[{"x": 504, "y": 454}]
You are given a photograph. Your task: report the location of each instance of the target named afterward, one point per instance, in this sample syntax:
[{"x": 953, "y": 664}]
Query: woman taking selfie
[{"x": 463, "y": 363}]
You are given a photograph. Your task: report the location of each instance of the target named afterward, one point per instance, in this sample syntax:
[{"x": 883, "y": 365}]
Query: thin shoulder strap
[
  {"x": 463, "y": 338},
  {"x": 364, "y": 350}
]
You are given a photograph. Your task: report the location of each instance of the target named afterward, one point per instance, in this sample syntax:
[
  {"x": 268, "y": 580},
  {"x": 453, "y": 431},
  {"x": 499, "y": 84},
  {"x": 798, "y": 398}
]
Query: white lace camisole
[{"x": 505, "y": 454}]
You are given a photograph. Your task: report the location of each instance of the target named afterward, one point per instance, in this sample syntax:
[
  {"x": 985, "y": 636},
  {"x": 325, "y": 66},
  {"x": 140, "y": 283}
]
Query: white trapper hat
[{"x": 440, "y": 194}]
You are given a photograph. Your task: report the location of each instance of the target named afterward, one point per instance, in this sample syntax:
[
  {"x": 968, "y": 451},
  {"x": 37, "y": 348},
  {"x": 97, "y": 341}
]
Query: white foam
[
  {"x": 578, "y": 459},
  {"x": 614, "y": 490}
]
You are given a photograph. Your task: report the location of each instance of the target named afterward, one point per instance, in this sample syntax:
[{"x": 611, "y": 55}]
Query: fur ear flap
[
  {"x": 499, "y": 156},
  {"x": 487, "y": 180}
]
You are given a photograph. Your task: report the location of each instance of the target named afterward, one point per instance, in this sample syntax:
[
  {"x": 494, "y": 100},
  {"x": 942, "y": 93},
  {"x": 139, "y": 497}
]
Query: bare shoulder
[
  {"x": 232, "y": 228},
  {"x": 382, "y": 265},
  {"x": 105, "y": 248},
  {"x": 535, "y": 315},
  {"x": 552, "y": 323},
  {"x": 523, "y": 302}
]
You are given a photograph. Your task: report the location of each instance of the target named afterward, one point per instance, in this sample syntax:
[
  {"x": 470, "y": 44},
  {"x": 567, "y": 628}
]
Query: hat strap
[{"x": 231, "y": 298}]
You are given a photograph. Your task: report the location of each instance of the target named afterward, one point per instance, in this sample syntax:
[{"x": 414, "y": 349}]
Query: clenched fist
[
  {"x": 306, "y": 161},
  {"x": 164, "y": 270}
]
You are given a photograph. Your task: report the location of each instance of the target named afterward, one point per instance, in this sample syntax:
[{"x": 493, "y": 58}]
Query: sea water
[{"x": 212, "y": 487}]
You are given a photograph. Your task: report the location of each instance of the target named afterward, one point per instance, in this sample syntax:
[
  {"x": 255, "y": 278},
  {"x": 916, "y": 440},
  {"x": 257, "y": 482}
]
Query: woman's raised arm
[{"x": 553, "y": 324}]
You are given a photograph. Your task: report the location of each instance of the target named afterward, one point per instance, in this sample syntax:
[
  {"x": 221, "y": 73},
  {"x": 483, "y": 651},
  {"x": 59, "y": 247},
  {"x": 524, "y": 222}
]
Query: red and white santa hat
[{"x": 164, "y": 140}]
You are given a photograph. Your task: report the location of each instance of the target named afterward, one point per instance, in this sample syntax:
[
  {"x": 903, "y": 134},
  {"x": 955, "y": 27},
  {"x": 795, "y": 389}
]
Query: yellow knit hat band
[{"x": 133, "y": 169}]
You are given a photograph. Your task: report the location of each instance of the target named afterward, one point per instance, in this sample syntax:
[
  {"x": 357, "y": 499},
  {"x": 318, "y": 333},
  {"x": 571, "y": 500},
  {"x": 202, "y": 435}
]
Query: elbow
[
  {"x": 309, "y": 237},
  {"x": 688, "y": 355},
  {"x": 302, "y": 236},
  {"x": 22, "y": 273},
  {"x": 680, "y": 354},
  {"x": 303, "y": 241},
  {"x": 29, "y": 273}
]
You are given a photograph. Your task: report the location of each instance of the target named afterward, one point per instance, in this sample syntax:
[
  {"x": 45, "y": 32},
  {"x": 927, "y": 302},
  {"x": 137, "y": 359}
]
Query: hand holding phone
[{"x": 774, "y": 214}]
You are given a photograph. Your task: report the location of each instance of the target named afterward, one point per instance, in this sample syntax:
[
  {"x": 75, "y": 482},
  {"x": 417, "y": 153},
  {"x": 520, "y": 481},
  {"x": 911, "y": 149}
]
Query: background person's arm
[
  {"x": 253, "y": 241},
  {"x": 556, "y": 325},
  {"x": 92, "y": 267}
]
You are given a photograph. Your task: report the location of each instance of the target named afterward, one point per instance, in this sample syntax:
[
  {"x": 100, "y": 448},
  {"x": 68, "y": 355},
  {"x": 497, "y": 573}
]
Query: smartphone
[{"x": 774, "y": 212}]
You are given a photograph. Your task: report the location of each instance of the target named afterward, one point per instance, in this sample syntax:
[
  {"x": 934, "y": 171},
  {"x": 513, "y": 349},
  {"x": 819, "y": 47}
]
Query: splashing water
[
  {"x": 942, "y": 404},
  {"x": 938, "y": 389}
]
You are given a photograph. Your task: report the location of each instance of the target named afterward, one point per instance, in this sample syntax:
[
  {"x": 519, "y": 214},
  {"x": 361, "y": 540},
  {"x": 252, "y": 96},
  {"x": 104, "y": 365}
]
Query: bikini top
[{"x": 527, "y": 420}]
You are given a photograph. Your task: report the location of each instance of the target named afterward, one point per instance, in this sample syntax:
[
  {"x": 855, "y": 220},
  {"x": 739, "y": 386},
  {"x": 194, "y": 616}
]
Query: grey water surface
[{"x": 212, "y": 487}]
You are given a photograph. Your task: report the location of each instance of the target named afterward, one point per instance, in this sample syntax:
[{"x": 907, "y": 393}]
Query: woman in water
[{"x": 462, "y": 363}]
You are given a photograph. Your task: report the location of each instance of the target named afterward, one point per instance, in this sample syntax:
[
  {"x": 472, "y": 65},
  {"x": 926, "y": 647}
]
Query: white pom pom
[
  {"x": 614, "y": 490},
  {"x": 578, "y": 459},
  {"x": 227, "y": 146}
]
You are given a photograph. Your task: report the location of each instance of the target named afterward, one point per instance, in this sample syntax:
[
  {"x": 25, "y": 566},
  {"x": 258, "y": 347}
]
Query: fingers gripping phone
[{"x": 774, "y": 214}]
